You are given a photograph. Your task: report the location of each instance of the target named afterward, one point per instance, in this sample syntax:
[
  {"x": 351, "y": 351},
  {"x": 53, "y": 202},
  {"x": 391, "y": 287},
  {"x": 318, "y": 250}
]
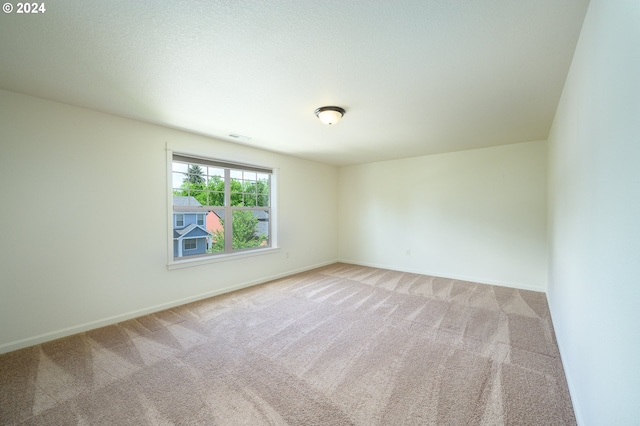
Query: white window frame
[
  {"x": 204, "y": 219},
  {"x": 173, "y": 263},
  {"x": 176, "y": 216}
]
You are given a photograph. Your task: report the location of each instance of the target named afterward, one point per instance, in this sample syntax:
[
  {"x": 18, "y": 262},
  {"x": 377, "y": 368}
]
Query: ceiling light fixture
[{"x": 330, "y": 114}]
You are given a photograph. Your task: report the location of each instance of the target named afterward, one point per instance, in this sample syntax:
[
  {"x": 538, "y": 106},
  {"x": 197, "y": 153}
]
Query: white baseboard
[
  {"x": 35, "y": 340},
  {"x": 567, "y": 372},
  {"x": 46, "y": 337},
  {"x": 519, "y": 286}
]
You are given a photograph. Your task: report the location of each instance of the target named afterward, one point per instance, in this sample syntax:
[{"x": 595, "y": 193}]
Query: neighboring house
[
  {"x": 262, "y": 228},
  {"x": 190, "y": 237},
  {"x": 214, "y": 221}
]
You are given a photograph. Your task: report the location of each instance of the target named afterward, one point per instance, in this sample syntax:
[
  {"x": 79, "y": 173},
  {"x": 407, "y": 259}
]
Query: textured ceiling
[{"x": 416, "y": 77}]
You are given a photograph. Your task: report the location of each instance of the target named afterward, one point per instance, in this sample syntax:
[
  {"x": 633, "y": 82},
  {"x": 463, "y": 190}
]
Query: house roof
[
  {"x": 190, "y": 231},
  {"x": 184, "y": 204},
  {"x": 182, "y": 201}
]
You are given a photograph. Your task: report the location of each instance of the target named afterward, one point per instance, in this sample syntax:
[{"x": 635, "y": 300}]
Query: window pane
[
  {"x": 216, "y": 198},
  {"x": 196, "y": 174},
  {"x": 215, "y": 183},
  {"x": 250, "y": 229},
  {"x": 215, "y": 225},
  {"x": 250, "y": 188},
  {"x": 179, "y": 167},
  {"x": 263, "y": 186},
  {"x": 178, "y": 180},
  {"x": 214, "y": 171},
  {"x": 197, "y": 199},
  {"x": 215, "y": 186},
  {"x": 236, "y": 197},
  {"x": 263, "y": 227}
]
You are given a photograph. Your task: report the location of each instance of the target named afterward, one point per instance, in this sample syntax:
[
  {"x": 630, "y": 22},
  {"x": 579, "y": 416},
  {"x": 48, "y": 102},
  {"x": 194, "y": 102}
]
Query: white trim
[
  {"x": 273, "y": 212},
  {"x": 519, "y": 286},
  {"x": 168, "y": 187},
  {"x": 215, "y": 257},
  {"x": 46, "y": 337},
  {"x": 567, "y": 370},
  {"x": 229, "y": 253},
  {"x": 215, "y": 163},
  {"x": 200, "y": 153}
]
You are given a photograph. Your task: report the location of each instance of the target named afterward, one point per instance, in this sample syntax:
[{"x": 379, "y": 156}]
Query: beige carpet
[{"x": 338, "y": 345}]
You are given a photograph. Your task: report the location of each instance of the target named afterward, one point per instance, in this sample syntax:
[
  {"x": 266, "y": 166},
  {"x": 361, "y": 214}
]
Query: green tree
[
  {"x": 249, "y": 193},
  {"x": 195, "y": 175},
  {"x": 244, "y": 232},
  {"x": 237, "y": 193},
  {"x": 215, "y": 192},
  {"x": 209, "y": 193},
  {"x": 262, "y": 193}
]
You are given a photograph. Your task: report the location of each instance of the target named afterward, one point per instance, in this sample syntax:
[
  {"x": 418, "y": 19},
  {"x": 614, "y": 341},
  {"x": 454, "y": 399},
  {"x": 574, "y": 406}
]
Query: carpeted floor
[{"x": 338, "y": 345}]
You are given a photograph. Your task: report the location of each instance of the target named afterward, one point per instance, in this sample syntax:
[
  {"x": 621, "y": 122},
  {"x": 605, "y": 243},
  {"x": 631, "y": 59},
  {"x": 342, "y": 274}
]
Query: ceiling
[{"x": 415, "y": 77}]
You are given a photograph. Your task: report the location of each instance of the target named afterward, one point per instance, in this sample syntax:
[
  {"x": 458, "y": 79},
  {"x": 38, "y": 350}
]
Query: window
[{"x": 219, "y": 207}]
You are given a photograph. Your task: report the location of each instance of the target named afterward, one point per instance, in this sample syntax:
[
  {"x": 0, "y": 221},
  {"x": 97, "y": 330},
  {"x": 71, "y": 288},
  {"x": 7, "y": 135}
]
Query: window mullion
[{"x": 228, "y": 216}]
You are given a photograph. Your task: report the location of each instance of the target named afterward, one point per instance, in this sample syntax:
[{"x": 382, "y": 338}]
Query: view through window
[{"x": 213, "y": 200}]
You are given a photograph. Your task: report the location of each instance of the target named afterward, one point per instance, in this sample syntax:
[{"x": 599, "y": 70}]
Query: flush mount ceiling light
[{"x": 330, "y": 114}]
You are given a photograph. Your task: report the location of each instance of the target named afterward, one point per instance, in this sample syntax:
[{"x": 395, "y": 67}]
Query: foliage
[
  {"x": 196, "y": 175},
  {"x": 244, "y": 232},
  {"x": 243, "y": 193}
]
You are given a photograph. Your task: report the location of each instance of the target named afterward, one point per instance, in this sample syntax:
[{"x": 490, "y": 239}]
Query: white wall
[
  {"x": 475, "y": 215},
  {"x": 594, "y": 272},
  {"x": 84, "y": 214}
]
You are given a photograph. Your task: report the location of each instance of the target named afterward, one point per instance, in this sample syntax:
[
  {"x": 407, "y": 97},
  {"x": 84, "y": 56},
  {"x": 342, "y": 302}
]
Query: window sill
[{"x": 187, "y": 263}]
